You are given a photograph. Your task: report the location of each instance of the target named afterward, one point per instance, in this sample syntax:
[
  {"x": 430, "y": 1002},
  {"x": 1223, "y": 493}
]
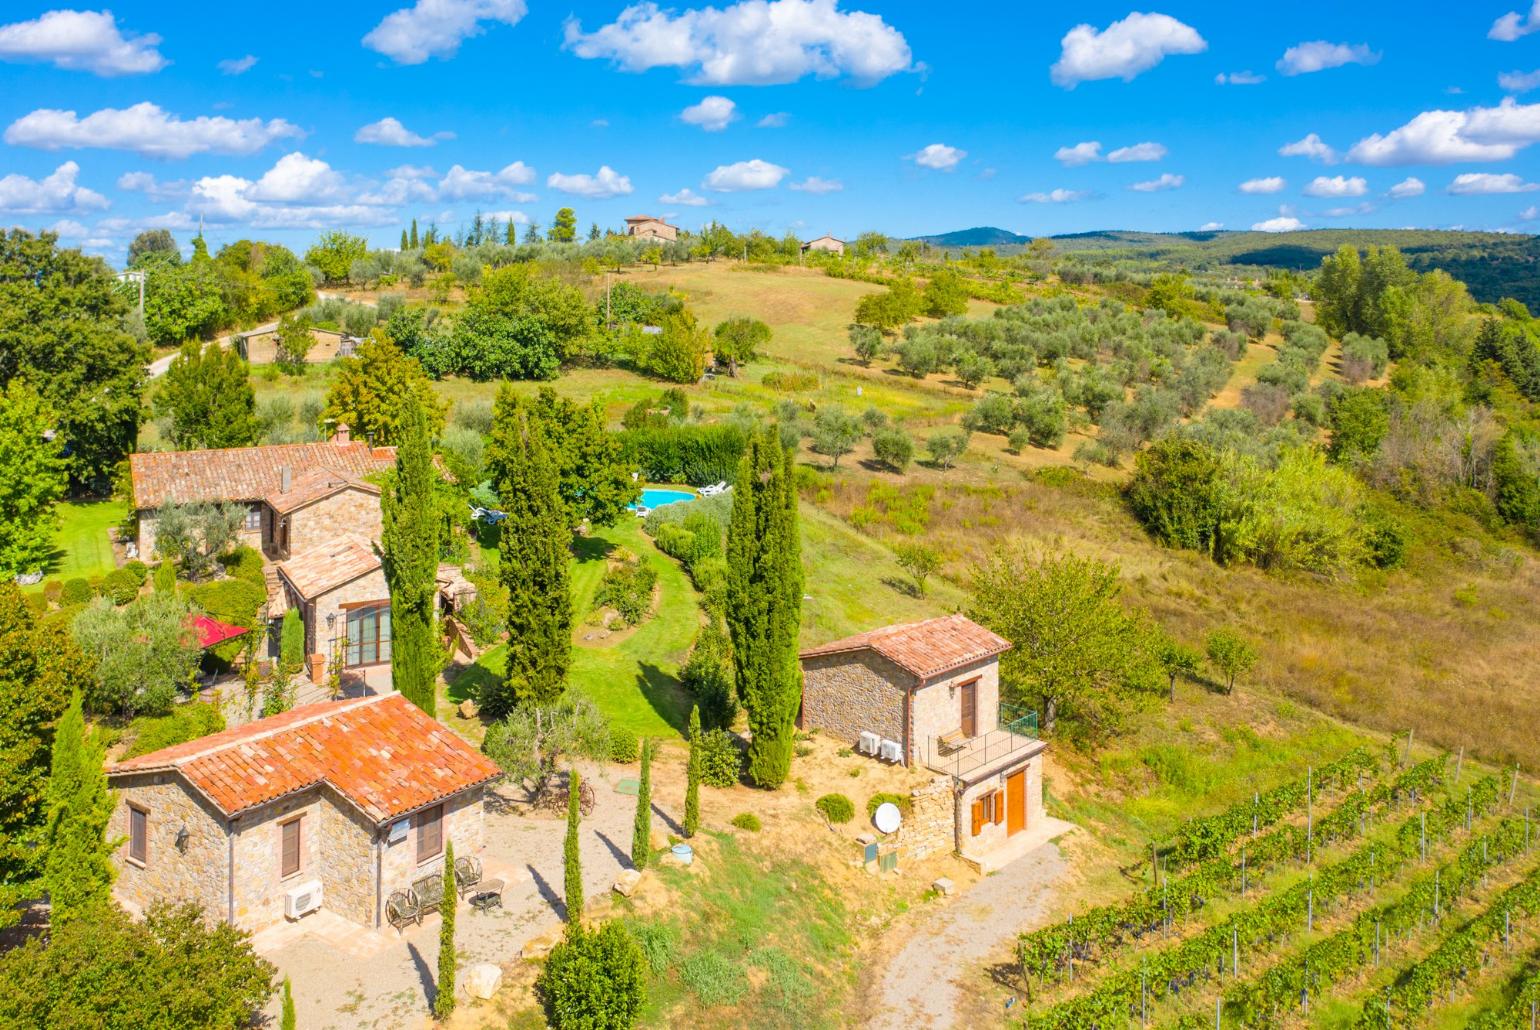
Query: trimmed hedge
[
  {"x": 695, "y": 454},
  {"x": 121, "y": 586},
  {"x": 836, "y": 808},
  {"x": 245, "y": 563},
  {"x": 76, "y": 591},
  {"x": 623, "y": 745},
  {"x": 186, "y": 722}
]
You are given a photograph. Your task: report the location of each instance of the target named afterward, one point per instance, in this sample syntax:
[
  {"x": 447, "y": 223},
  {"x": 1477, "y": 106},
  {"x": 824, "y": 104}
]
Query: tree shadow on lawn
[
  {"x": 665, "y": 694},
  {"x": 468, "y": 680},
  {"x": 424, "y": 975},
  {"x": 548, "y": 893},
  {"x": 592, "y": 548}
]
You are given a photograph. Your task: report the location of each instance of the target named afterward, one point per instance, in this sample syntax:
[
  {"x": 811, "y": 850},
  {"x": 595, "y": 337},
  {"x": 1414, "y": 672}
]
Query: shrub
[
  {"x": 53, "y": 591},
  {"x": 721, "y": 763},
  {"x": 836, "y": 808},
  {"x": 747, "y": 821},
  {"x": 627, "y": 587},
  {"x": 120, "y": 586},
  {"x": 186, "y": 722},
  {"x": 245, "y": 563},
  {"x": 903, "y": 801},
  {"x": 893, "y": 448},
  {"x": 695, "y": 454},
  {"x": 790, "y": 382},
  {"x": 710, "y": 576},
  {"x": 946, "y": 446},
  {"x": 139, "y": 570},
  {"x": 623, "y": 745},
  {"x": 594, "y": 980},
  {"x": 76, "y": 591}
]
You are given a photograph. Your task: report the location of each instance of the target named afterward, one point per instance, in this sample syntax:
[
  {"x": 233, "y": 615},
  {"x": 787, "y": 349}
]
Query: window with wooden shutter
[
  {"x": 430, "y": 833},
  {"x": 978, "y": 816},
  {"x": 999, "y": 807},
  {"x": 289, "y": 861},
  {"x": 138, "y": 834}
]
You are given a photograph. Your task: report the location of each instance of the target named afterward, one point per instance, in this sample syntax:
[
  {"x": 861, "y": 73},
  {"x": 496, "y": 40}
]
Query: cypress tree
[
  {"x": 287, "y": 1020},
  {"x": 534, "y": 552},
  {"x": 444, "y": 996},
  {"x": 573, "y": 856},
  {"x": 413, "y": 240},
  {"x": 764, "y": 603},
  {"x": 641, "y": 835},
  {"x": 76, "y": 870},
  {"x": 403, "y": 239},
  {"x": 692, "y": 777},
  {"x": 410, "y": 542}
]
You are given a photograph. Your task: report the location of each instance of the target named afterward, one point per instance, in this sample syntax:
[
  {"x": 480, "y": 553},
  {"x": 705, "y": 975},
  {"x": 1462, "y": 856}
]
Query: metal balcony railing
[{"x": 1015, "y": 729}]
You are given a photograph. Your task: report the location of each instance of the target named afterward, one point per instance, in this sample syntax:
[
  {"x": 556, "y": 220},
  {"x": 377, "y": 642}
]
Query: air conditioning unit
[
  {"x": 891, "y": 751},
  {"x": 869, "y": 743},
  {"x": 297, "y": 901}
]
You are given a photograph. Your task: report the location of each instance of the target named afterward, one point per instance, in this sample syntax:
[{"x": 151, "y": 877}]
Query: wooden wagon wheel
[{"x": 586, "y": 798}]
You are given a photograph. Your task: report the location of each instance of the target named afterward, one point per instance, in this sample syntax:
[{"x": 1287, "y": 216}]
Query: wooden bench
[{"x": 951, "y": 743}]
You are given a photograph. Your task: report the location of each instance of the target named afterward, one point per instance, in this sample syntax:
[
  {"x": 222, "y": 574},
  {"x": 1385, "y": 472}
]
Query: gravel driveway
[{"x": 919, "y": 987}]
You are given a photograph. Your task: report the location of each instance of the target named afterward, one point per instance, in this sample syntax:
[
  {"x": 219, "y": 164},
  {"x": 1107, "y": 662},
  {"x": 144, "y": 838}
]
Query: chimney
[
  {"x": 285, "y": 479},
  {"x": 340, "y": 434}
]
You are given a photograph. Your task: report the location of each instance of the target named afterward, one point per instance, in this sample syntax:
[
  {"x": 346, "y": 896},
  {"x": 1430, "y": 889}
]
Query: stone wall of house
[
  {"x": 992, "y": 834},
  {"x": 349, "y": 512},
  {"x": 329, "y": 639},
  {"x": 847, "y": 694},
  {"x": 262, "y": 348},
  {"x": 259, "y": 883},
  {"x": 464, "y": 825},
  {"x": 929, "y": 828},
  {"x": 149, "y": 519},
  {"x": 938, "y": 706},
  {"x": 345, "y": 862},
  {"x": 197, "y": 872}
]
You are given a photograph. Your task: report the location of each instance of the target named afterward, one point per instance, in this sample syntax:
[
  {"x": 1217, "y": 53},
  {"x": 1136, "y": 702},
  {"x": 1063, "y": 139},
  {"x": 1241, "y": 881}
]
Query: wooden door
[
  {"x": 970, "y": 721},
  {"x": 1015, "y": 802}
]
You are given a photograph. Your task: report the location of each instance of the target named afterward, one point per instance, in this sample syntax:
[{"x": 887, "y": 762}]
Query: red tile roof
[
  {"x": 243, "y": 473},
  {"x": 313, "y": 486},
  {"x": 925, "y": 649},
  {"x": 383, "y": 754},
  {"x": 328, "y": 566}
]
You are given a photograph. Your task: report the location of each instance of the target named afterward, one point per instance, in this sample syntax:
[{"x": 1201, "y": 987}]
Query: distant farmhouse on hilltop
[{"x": 648, "y": 227}]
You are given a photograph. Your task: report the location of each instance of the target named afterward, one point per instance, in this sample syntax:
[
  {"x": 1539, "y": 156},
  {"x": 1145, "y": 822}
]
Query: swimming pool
[{"x": 658, "y": 497}]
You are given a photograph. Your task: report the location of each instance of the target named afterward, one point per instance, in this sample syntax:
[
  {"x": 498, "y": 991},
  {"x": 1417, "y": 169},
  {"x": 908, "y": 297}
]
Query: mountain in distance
[{"x": 979, "y": 236}]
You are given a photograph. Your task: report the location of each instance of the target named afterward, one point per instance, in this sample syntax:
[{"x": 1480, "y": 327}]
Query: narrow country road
[{"x": 919, "y": 986}]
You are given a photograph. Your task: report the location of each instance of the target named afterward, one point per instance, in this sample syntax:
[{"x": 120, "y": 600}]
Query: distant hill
[{"x": 979, "y": 236}]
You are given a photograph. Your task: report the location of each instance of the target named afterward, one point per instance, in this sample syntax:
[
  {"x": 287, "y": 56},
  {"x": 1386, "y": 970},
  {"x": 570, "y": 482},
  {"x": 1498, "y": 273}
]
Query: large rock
[
  {"x": 468, "y": 709},
  {"x": 625, "y": 885},
  {"x": 482, "y": 980}
]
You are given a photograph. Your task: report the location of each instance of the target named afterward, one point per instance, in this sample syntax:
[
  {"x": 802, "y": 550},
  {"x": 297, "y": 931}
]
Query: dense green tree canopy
[
  {"x": 367, "y": 391},
  {"x": 334, "y": 253},
  {"x": 518, "y": 324},
  {"x": 32, "y": 478},
  {"x": 409, "y": 542},
  {"x": 597, "y": 482},
  {"x": 61, "y": 328},
  {"x": 207, "y": 395}
]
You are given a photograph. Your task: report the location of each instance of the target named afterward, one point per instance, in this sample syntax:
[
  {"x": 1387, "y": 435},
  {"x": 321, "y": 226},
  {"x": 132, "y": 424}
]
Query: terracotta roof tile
[
  {"x": 244, "y": 473},
  {"x": 383, "y": 754},
  {"x": 925, "y": 649},
  {"x": 327, "y": 566},
  {"x": 313, "y": 486}
]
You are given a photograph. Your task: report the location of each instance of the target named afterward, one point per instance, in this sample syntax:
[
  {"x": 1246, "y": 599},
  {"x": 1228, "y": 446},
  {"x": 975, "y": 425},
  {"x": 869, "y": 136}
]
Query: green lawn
[
  {"x": 635, "y": 681},
  {"x": 81, "y": 546}
]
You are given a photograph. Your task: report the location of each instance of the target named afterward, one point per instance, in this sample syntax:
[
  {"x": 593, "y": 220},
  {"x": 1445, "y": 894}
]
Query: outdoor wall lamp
[
  {"x": 181, "y": 838},
  {"x": 331, "y": 619}
]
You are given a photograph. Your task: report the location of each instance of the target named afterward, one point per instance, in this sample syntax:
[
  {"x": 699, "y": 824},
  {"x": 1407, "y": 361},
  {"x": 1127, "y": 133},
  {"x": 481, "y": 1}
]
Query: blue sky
[{"x": 279, "y": 119}]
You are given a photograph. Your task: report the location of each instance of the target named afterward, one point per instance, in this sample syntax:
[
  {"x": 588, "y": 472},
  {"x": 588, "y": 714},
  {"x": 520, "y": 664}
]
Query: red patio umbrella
[{"x": 212, "y": 631}]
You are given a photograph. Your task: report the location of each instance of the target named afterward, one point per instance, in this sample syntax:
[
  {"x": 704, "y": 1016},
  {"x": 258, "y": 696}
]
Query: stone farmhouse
[
  {"x": 927, "y": 694},
  {"x": 261, "y": 348},
  {"x": 826, "y": 243},
  {"x": 331, "y": 805},
  {"x": 647, "y": 227}
]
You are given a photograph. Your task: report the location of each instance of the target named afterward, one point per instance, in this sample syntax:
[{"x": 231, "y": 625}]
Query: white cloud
[
  {"x": 146, "y": 129},
  {"x": 1319, "y": 55},
  {"x": 1079, "y": 154},
  {"x": 1283, "y": 223},
  {"x": 1059, "y": 196},
  {"x": 774, "y": 120},
  {"x": 1137, "y": 152},
  {"x": 238, "y": 65},
  {"x": 390, "y": 132},
  {"x": 1408, "y": 187},
  {"x": 81, "y": 41},
  {"x": 1167, "y": 181},
  {"x": 460, "y": 183},
  {"x": 1514, "y": 25},
  {"x": 1344, "y": 212},
  {"x": 1123, "y": 50},
  {"x": 1312, "y": 147},
  {"x": 712, "y": 114},
  {"x": 1444, "y": 137},
  {"x": 298, "y": 179},
  {"x": 68, "y": 229},
  {"x": 685, "y": 197},
  {"x": 817, "y": 185},
  {"x": 606, "y": 182},
  {"x": 1210, "y": 226},
  {"x": 146, "y": 183},
  {"x": 1336, "y": 186},
  {"x": 1519, "y": 82},
  {"x": 436, "y": 28},
  {"x": 298, "y": 192},
  {"x": 1271, "y": 184},
  {"x": 752, "y": 43},
  {"x": 1245, "y": 78},
  {"x": 54, "y": 194},
  {"x": 1530, "y": 213},
  {"x": 1481, "y": 183},
  {"x": 745, "y": 175},
  {"x": 938, "y": 156}
]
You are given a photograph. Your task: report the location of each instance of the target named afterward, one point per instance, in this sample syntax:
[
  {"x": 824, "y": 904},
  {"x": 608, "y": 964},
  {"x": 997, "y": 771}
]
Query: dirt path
[{"x": 919, "y": 986}]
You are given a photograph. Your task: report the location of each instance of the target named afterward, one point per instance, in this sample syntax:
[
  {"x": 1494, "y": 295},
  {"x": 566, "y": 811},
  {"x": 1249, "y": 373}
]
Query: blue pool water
[{"x": 657, "y": 498}]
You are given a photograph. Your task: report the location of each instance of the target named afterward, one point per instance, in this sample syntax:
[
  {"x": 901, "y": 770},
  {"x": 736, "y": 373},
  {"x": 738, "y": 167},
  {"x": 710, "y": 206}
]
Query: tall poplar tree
[
  {"x": 413, "y": 240},
  {"x": 764, "y": 603},
  {"x": 409, "y": 539},
  {"x": 533, "y": 556},
  {"x": 76, "y": 870},
  {"x": 572, "y": 854}
]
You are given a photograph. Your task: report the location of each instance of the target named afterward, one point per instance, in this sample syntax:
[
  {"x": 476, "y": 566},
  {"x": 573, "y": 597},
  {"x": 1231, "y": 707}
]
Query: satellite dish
[{"x": 887, "y": 817}]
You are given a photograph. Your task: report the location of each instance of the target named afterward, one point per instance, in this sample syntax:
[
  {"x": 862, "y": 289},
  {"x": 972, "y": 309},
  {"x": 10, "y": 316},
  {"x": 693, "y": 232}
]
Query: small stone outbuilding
[
  {"x": 354, "y": 797},
  {"x": 825, "y": 244},
  {"x": 648, "y": 227},
  {"x": 931, "y": 690}
]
